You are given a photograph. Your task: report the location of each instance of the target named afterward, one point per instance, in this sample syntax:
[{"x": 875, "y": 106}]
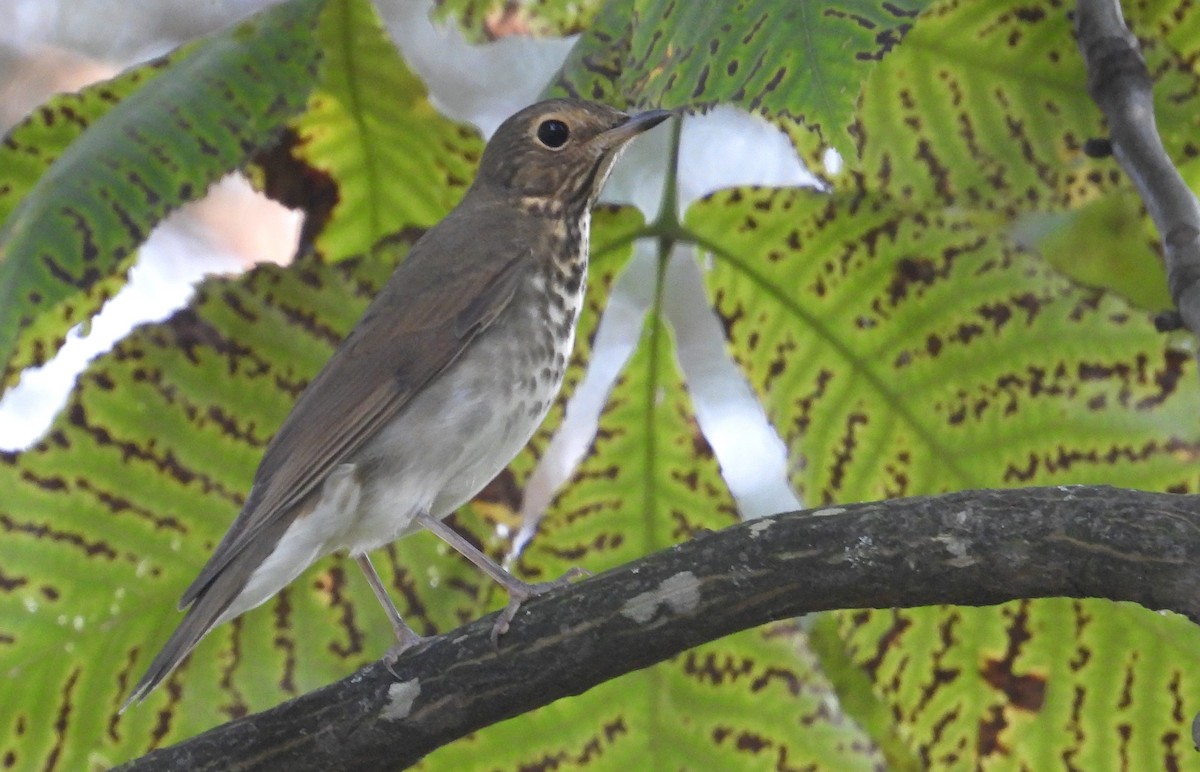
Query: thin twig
[{"x": 1120, "y": 84}]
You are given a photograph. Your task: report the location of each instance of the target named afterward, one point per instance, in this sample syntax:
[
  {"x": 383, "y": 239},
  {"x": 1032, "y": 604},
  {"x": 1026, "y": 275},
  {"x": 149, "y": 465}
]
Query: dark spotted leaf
[
  {"x": 386, "y": 160},
  {"x": 895, "y": 395},
  {"x": 985, "y": 107},
  {"x": 930, "y": 325},
  {"x": 800, "y": 65},
  {"x": 905, "y": 353},
  {"x": 1084, "y": 681},
  {"x": 88, "y": 175}
]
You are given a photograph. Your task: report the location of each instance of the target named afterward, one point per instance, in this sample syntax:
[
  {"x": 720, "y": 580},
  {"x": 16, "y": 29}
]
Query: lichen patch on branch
[
  {"x": 401, "y": 697},
  {"x": 680, "y": 593}
]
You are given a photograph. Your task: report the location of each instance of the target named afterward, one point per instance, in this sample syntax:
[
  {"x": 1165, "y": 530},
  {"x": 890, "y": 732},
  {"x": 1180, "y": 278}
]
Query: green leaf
[
  {"x": 1108, "y": 243},
  {"x": 1036, "y": 684},
  {"x": 752, "y": 701},
  {"x": 1169, "y": 37},
  {"x": 92, "y": 173},
  {"x": 856, "y": 696},
  {"x": 984, "y": 106},
  {"x": 903, "y": 343},
  {"x": 369, "y": 128},
  {"x": 108, "y": 519},
  {"x": 799, "y": 65},
  {"x": 1162, "y": 22},
  {"x": 937, "y": 355}
]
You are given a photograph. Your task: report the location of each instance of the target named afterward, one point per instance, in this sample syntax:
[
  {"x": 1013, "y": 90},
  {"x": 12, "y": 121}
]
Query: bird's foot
[
  {"x": 519, "y": 592},
  {"x": 405, "y": 642}
]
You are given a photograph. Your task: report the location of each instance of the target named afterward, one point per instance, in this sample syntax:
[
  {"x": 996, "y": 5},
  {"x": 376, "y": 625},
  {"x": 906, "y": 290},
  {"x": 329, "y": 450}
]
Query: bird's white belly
[
  {"x": 447, "y": 444},
  {"x": 426, "y": 473}
]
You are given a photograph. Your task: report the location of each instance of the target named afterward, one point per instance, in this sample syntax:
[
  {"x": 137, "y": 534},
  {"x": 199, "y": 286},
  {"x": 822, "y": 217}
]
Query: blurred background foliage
[{"x": 962, "y": 299}]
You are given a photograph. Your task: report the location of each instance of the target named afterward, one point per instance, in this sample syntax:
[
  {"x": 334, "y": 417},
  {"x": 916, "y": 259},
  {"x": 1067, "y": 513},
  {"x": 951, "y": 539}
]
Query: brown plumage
[{"x": 440, "y": 384}]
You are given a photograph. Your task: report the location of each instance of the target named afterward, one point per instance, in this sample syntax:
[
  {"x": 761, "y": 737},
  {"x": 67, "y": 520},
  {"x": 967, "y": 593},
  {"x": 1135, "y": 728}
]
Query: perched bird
[{"x": 439, "y": 385}]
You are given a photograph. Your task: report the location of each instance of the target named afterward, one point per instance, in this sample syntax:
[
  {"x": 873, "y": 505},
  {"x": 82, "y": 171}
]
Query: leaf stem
[
  {"x": 666, "y": 229},
  {"x": 667, "y": 220}
]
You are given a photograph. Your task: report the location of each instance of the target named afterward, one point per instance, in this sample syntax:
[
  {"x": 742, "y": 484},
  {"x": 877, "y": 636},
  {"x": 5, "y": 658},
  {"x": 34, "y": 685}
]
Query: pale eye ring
[{"x": 553, "y": 133}]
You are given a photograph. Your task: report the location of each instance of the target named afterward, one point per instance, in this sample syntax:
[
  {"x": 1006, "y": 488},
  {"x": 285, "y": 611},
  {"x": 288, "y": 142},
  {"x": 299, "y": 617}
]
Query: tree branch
[
  {"x": 974, "y": 548},
  {"x": 1120, "y": 85}
]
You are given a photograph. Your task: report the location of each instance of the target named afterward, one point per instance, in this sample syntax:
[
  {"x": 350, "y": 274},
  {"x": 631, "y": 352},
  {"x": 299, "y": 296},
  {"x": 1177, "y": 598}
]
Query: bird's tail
[
  {"x": 204, "y": 614},
  {"x": 247, "y": 568},
  {"x": 232, "y": 589}
]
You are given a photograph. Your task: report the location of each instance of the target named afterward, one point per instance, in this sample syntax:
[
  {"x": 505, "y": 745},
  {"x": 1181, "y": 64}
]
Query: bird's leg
[
  {"x": 406, "y": 637},
  {"x": 518, "y": 591}
]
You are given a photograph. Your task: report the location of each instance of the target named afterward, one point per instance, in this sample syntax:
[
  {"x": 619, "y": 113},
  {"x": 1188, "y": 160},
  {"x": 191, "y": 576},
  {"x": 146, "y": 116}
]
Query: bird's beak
[{"x": 638, "y": 123}]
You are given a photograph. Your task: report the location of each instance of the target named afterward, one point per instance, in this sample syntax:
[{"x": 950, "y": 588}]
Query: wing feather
[{"x": 430, "y": 310}]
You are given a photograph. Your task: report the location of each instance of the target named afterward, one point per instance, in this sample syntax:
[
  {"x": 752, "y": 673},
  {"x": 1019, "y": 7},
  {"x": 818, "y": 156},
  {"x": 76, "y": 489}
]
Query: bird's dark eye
[{"x": 553, "y": 134}]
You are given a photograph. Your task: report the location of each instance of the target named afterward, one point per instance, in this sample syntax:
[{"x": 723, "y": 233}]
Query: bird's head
[{"x": 556, "y": 155}]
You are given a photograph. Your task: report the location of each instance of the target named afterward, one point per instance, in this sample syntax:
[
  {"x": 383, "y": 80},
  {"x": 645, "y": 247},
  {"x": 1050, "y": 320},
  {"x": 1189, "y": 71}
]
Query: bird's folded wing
[{"x": 407, "y": 337}]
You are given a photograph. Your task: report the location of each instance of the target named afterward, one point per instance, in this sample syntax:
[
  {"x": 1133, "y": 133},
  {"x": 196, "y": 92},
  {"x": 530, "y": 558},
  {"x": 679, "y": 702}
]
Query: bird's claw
[
  {"x": 523, "y": 592},
  {"x": 393, "y": 654}
]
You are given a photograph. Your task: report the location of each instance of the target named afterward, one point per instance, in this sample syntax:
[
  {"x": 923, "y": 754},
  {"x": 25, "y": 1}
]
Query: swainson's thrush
[{"x": 438, "y": 386}]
